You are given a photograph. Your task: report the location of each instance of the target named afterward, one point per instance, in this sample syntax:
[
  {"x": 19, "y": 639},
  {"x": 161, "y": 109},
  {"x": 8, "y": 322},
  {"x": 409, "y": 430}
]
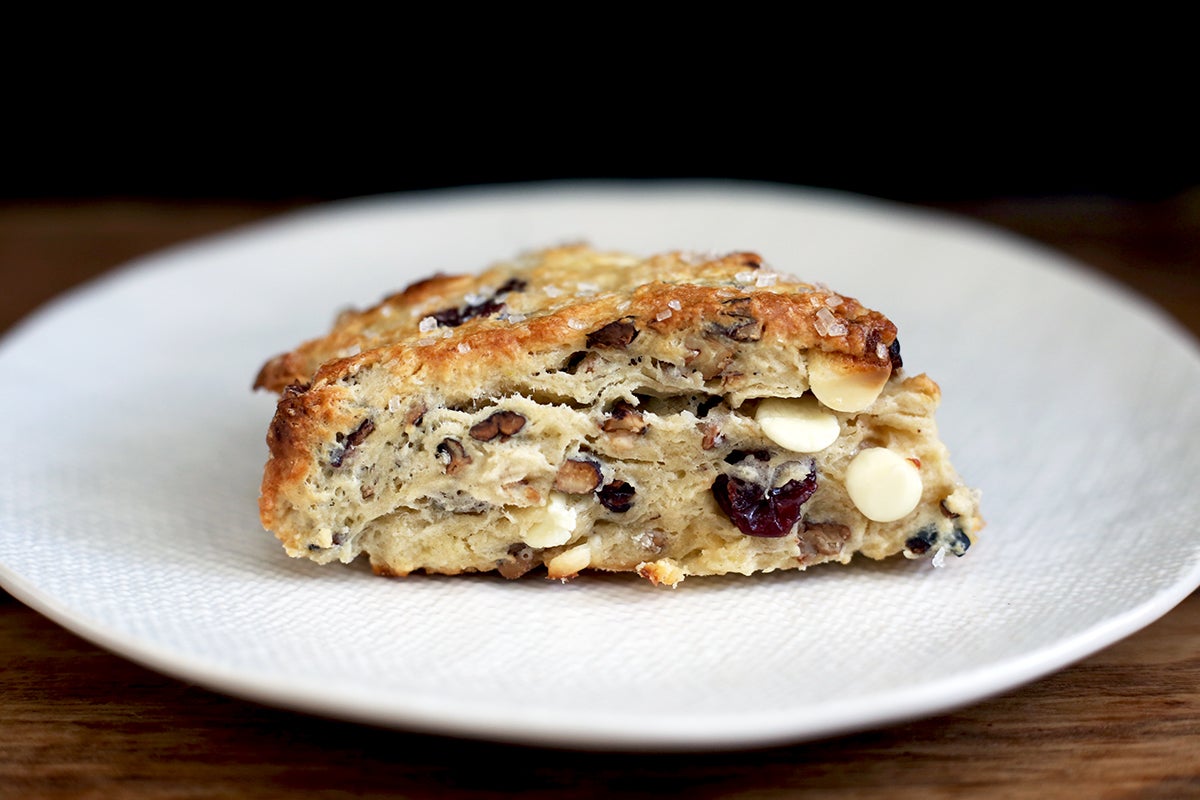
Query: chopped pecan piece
[
  {"x": 348, "y": 441},
  {"x": 712, "y": 436},
  {"x": 624, "y": 417},
  {"x": 874, "y": 348},
  {"x": 822, "y": 538},
  {"x": 520, "y": 560},
  {"x": 654, "y": 541},
  {"x": 356, "y": 436},
  {"x": 416, "y": 413},
  {"x": 453, "y": 456},
  {"x": 615, "y": 335},
  {"x": 737, "y": 322},
  {"x": 503, "y": 424},
  {"x": 577, "y": 477}
]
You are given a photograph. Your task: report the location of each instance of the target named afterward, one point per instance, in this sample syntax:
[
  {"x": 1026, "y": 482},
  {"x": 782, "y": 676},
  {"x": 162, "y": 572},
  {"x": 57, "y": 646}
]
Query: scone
[{"x": 676, "y": 415}]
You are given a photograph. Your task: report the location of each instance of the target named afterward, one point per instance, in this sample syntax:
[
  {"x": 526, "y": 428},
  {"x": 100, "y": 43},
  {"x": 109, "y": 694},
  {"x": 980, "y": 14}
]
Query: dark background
[
  {"x": 259, "y": 166},
  {"x": 304, "y": 107},
  {"x": 118, "y": 136}
]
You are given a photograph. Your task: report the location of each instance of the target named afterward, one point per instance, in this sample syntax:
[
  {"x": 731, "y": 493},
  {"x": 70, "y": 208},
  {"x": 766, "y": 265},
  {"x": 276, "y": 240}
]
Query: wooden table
[{"x": 78, "y": 721}]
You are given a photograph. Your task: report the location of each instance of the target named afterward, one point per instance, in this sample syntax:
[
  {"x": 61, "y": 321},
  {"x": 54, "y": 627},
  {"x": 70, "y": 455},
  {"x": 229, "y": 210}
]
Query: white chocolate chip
[
  {"x": 568, "y": 563},
  {"x": 554, "y": 524},
  {"x": 842, "y": 384},
  {"x": 797, "y": 423},
  {"x": 883, "y": 485}
]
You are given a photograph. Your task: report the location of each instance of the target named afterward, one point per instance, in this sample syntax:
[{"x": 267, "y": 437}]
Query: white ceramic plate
[{"x": 134, "y": 446}]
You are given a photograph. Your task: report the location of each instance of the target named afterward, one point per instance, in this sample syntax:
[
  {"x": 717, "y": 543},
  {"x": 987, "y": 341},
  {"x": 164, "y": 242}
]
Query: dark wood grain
[{"x": 76, "y": 721}]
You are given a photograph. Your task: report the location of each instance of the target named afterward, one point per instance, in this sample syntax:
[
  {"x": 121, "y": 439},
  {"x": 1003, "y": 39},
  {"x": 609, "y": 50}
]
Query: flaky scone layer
[{"x": 579, "y": 409}]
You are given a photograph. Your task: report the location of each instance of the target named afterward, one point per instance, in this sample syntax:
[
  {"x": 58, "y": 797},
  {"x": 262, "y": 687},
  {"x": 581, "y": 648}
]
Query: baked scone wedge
[{"x": 675, "y": 415}]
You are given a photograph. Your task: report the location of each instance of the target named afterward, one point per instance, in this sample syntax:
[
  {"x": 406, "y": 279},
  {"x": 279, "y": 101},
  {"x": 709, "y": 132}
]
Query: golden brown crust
[
  {"x": 300, "y": 416},
  {"x": 675, "y": 292}
]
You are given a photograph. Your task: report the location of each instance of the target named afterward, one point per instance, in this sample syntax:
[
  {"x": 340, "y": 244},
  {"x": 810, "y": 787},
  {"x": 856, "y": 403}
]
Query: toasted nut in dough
[{"x": 568, "y": 563}]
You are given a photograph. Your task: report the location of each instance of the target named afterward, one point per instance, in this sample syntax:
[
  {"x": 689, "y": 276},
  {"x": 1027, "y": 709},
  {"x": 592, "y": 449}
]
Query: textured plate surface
[{"x": 127, "y": 501}]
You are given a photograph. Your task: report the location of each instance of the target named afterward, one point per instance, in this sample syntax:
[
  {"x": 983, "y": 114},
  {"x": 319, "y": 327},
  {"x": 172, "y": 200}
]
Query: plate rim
[{"x": 749, "y": 731}]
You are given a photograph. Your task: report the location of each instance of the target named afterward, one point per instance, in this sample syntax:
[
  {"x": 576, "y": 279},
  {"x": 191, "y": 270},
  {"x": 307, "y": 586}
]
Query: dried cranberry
[
  {"x": 960, "y": 543},
  {"x": 756, "y": 512},
  {"x": 512, "y": 285},
  {"x": 616, "y": 496},
  {"x": 923, "y": 540},
  {"x": 928, "y": 537},
  {"x": 453, "y": 317},
  {"x": 738, "y": 456}
]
